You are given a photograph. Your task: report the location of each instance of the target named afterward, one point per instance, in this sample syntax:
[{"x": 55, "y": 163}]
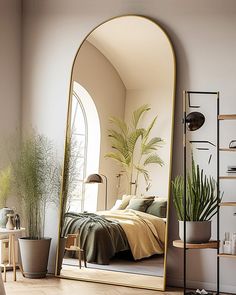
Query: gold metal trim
[{"x": 67, "y": 134}]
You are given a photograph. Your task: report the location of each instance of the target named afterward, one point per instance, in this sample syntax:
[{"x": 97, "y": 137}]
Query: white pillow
[{"x": 117, "y": 205}]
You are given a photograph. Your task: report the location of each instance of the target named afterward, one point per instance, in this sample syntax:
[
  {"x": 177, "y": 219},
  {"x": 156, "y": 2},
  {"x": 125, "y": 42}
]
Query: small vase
[
  {"x": 3, "y": 216},
  {"x": 10, "y": 224}
]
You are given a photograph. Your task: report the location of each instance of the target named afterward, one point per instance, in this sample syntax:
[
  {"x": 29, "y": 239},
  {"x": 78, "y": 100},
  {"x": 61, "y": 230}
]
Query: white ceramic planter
[{"x": 196, "y": 231}]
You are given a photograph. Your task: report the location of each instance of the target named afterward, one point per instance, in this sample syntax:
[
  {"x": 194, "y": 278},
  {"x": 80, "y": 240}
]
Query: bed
[{"x": 105, "y": 233}]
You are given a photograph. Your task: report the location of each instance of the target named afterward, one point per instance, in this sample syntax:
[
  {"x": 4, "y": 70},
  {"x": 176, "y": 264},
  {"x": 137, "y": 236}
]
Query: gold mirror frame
[{"x": 67, "y": 135}]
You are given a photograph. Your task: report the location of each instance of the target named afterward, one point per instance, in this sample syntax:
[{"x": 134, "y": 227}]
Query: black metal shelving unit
[{"x": 212, "y": 244}]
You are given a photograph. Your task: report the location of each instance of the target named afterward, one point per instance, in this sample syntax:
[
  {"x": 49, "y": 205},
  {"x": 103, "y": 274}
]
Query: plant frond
[
  {"x": 153, "y": 159},
  {"x": 137, "y": 114},
  {"x": 119, "y": 158},
  {"x": 133, "y": 137},
  {"x": 152, "y": 145},
  {"x": 120, "y": 124},
  {"x": 149, "y": 128}
]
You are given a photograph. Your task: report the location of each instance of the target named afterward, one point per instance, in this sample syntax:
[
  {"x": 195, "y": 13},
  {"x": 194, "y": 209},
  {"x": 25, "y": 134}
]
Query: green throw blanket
[{"x": 100, "y": 238}]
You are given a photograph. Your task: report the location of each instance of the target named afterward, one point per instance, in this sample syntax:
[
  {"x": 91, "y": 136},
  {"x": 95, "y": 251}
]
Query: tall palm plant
[{"x": 133, "y": 147}]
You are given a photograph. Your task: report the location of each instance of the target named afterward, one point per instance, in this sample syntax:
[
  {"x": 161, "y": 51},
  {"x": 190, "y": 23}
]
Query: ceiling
[{"x": 137, "y": 48}]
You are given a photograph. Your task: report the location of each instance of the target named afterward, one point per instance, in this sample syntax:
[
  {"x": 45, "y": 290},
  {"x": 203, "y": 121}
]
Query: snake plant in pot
[
  {"x": 33, "y": 169},
  {"x": 201, "y": 204}
]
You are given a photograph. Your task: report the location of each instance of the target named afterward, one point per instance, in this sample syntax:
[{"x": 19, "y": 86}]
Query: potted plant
[
  {"x": 33, "y": 169},
  {"x": 133, "y": 148},
  {"x": 201, "y": 204},
  {"x": 5, "y": 189}
]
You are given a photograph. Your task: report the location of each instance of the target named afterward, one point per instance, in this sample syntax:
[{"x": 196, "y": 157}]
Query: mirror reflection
[{"x": 114, "y": 212}]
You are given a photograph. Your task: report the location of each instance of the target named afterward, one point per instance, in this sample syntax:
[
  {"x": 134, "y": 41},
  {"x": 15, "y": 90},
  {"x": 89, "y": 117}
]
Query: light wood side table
[{"x": 12, "y": 250}]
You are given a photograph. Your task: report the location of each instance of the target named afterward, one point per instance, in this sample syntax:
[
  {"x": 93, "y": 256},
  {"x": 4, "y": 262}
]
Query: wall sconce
[
  {"x": 98, "y": 178},
  {"x": 194, "y": 121}
]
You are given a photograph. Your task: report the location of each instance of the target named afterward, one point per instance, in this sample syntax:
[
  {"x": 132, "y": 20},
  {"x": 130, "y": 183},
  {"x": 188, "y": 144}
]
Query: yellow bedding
[{"x": 145, "y": 233}]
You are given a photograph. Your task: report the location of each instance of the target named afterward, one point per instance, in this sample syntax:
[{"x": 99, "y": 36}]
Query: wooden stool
[{"x": 73, "y": 244}]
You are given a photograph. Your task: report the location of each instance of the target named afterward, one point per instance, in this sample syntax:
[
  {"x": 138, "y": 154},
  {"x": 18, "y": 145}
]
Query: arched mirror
[{"x": 117, "y": 167}]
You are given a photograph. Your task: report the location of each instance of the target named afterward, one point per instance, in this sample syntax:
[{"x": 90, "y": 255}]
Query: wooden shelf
[
  {"x": 228, "y": 177},
  {"x": 227, "y": 117},
  {"x": 209, "y": 245},
  {"x": 228, "y": 204},
  {"x": 226, "y": 255},
  {"x": 228, "y": 149}
]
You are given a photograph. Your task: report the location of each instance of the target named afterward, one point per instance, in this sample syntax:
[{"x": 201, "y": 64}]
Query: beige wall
[
  {"x": 203, "y": 34},
  {"x": 10, "y": 76},
  {"x": 98, "y": 76}
]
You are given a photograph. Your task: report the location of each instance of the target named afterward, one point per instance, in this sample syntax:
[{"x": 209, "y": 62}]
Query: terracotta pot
[{"x": 34, "y": 257}]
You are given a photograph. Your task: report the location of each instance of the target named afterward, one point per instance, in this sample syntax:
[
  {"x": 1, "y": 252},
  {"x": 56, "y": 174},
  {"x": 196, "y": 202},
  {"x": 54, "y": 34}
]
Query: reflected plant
[
  {"x": 133, "y": 148},
  {"x": 68, "y": 176}
]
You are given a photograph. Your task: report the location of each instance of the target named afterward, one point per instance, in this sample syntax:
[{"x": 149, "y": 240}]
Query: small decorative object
[
  {"x": 202, "y": 292},
  {"x": 234, "y": 244},
  {"x": 199, "y": 292},
  {"x": 10, "y": 222},
  {"x": 232, "y": 144},
  {"x": 227, "y": 244},
  {"x": 17, "y": 221},
  {"x": 3, "y": 216}
]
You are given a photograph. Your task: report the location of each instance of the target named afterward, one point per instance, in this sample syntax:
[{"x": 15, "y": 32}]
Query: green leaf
[
  {"x": 120, "y": 124},
  {"x": 152, "y": 145},
  {"x": 119, "y": 158},
  {"x": 153, "y": 159},
  {"x": 148, "y": 130},
  {"x": 201, "y": 197},
  {"x": 137, "y": 114},
  {"x": 132, "y": 139}
]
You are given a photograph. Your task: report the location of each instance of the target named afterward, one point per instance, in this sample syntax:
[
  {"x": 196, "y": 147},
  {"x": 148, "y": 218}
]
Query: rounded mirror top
[{"x": 123, "y": 40}]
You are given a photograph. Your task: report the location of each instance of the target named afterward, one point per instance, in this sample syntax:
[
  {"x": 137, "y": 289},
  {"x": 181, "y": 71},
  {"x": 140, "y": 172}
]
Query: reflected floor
[
  {"x": 113, "y": 277},
  {"x": 152, "y": 266}
]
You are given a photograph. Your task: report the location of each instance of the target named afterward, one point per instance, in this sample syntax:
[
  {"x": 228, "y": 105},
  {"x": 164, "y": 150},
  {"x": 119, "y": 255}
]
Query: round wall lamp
[{"x": 194, "y": 121}]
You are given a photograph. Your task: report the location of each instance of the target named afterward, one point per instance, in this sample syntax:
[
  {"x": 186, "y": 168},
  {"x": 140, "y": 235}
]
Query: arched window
[{"x": 86, "y": 136}]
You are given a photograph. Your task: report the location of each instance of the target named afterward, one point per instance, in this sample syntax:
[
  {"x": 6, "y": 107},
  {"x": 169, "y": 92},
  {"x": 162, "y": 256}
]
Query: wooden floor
[{"x": 56, "y": 286}]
